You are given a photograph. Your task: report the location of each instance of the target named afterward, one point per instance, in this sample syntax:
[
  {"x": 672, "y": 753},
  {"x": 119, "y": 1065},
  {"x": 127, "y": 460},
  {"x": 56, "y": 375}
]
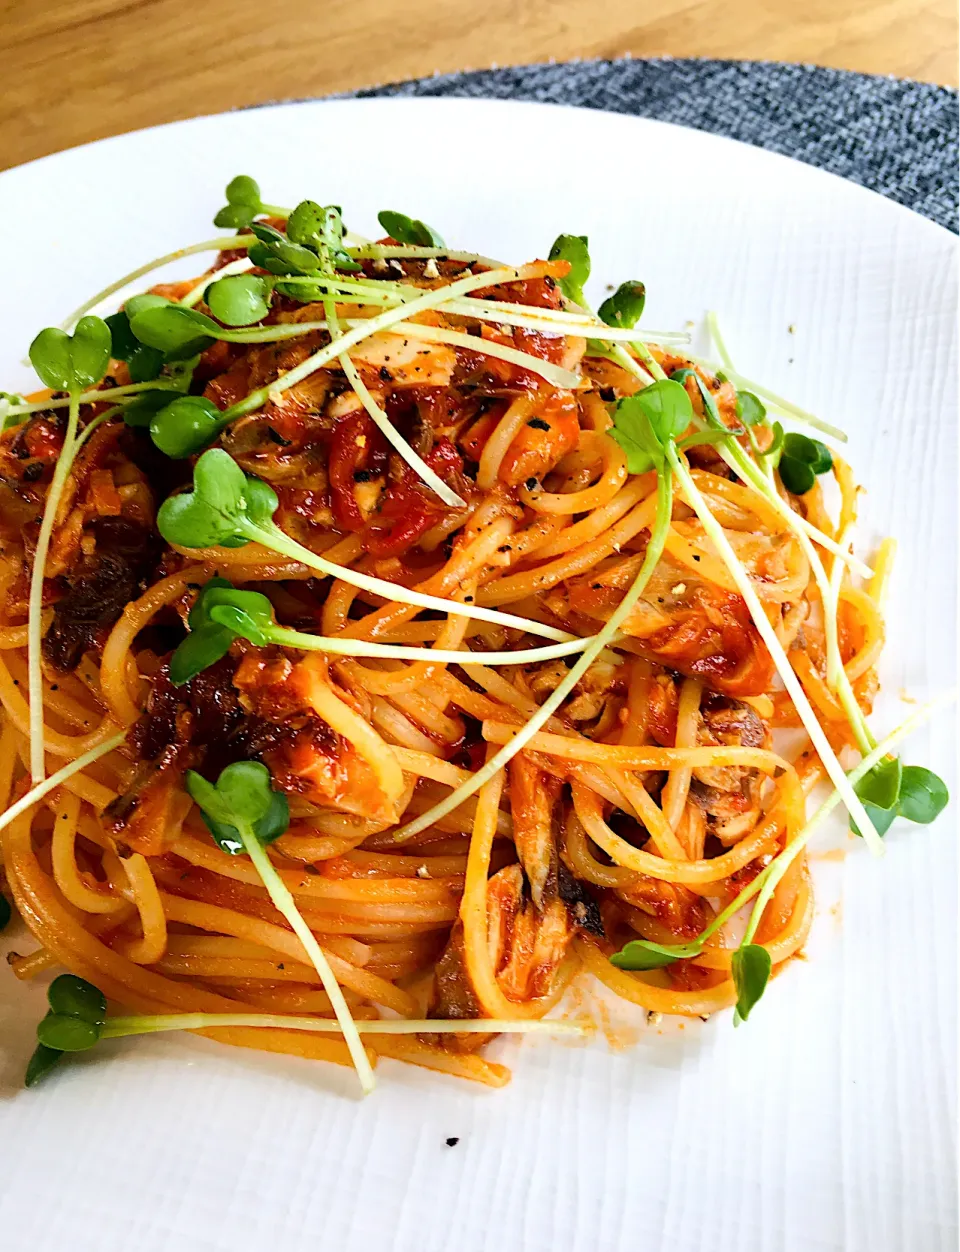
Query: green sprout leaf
[
  {"x": 307, "y": 224},
  {"x": 277, "y": 254},
  {"x": 247, "y": 614},
  {"x": 42, "y": 1061},
  {"x": 409, "y": 230},
  {"x": 67, "y": 1034},
  {"x": 243, "y": 203},
  {"x": 750, "y": 410},
  {"x": 575, "y": 250},
  {"x": 146, "y": 300},
  {"x": 881, "y": 819},
  {"x": 140, "y": 412},
  {"x": 625, "y": 306},
  {"x": 72, "y": 362},
  {"x": 74, "y": 1023},
  {"x": 176, "y": 331},
  {"x": 640, "y": 954},
  {"x": 801, "y": 460},
  {"x": 241, "y": 799},
  {"x": 143, "y": 364},
  {"x": 321, "y": 228},
  {"x": 881, "y": 787},
  {"x": 923, "y": 795},
  {"x": 220, "y": 615},
  {"x": 218, "y": 508},
  {"x": 239, "y": 299},
  {"x": 185, "y": 426},
  {"x": 750, "y": 966},
  {"x": 70, "y": 996},
  {"x": 880, "y": 790},
  {"x": 646, "y": 421},
  {"x": 207, "y": 641},
  {"x": 9, "y": 400},
  {"x": 776, "y": 447}
]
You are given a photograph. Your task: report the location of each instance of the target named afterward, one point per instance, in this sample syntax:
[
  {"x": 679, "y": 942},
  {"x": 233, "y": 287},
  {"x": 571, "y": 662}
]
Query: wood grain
[{"x": 78, "y": 70}]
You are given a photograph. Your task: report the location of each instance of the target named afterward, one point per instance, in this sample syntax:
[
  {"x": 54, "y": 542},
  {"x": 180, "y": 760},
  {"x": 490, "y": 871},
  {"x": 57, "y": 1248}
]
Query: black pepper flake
[
  {"x": 363, "y": 476},
  {"x": 281, "y": 966},
  {"x": 696, "y": 558},
  {"x": 452, "y": 1141},
  {"x": 538, "y": 423},
  {"x": 385, "y": 374},
  {"x": 608, "y": 394},
  {"x": 32, "y": 472},
  {"x": 54, "y": 686},
  {"x": 530, "y": 484},
  {"x": 468, "y": 599},
  {"x": 504, "y": 547}
]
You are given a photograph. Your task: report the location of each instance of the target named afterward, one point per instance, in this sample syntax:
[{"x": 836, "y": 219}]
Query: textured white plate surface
[{"x": 827, "y": 1122}]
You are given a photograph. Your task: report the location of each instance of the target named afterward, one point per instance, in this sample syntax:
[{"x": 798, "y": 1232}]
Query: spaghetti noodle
[{"x": 647, "y": 801}]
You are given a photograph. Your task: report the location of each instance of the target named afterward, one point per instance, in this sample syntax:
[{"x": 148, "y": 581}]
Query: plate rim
[{"x": 866, "y": 195}]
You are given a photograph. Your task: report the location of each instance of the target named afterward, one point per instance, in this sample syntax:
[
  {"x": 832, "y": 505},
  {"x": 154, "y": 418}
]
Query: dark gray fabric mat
[{"x": 896, "y": 137}]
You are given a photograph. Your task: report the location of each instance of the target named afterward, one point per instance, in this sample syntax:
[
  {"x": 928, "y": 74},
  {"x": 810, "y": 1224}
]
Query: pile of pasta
[{"x": 644, "y": 805}]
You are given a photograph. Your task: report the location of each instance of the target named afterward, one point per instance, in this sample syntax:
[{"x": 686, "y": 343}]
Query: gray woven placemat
[{"x": 897, "y": 137}]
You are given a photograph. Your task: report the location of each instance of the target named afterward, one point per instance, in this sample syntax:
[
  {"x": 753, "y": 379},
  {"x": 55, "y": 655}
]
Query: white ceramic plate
[{"x": 826, "y": 1123}]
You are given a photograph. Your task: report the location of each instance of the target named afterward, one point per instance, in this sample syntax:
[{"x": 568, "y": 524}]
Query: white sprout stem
[
  {"x": 53, "y": 781},
  {"x": 761, "y": 476},
  {"x": 370, "y": 326},
  {"x": 713, "y": 326},
  {"x": 582, "y": 321},
  {"x": 837, "y": 678},
  {"x": 412, "y": 330},
  {"x": 383, "y": 423},
  {"x": 275, "y": 539},
  {"x": 779, "y": 867},
  {"x": 97, "y": 421},
  {"x": 647, "y": 357},
  {"x": 385, "y": 252},
  {"x": 195, "y": 294},
  {"x": 398, "y": 652},
  {"x": 105, "y": 395},
  {"x": 286, "y": 906},
  {"x": 208, "y": 245},
  {"x": 554, "y": 374},
  {"x": 34, "y": 636},
  {"x": 393, "y": 436},
  {"x": 123, "y": 1027},
  {"x": 623, "y": 358},
  {"x": 550, "y": 321},
  {"x": 790, "y": 681},
  {"x": 556, "y": 698},
  {"x": 754, "y": 477},
  {"x": 490, "y": 311},
  {"x": 785, "y": 406},
  {"x": 695, "y": 947}
]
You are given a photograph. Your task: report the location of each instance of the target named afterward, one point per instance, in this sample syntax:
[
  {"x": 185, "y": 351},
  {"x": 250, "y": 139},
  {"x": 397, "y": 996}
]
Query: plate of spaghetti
[{"x": 421, "y": 661}]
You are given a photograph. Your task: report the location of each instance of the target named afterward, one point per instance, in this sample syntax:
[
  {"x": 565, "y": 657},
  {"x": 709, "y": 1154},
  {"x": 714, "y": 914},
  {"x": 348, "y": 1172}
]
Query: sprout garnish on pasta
[{"x": 460, "y": 616}]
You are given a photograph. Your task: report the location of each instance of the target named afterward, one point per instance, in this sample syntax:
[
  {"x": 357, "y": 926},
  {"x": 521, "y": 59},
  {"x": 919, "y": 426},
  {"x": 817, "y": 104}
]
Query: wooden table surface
[{"x": 76, "y": 70}]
